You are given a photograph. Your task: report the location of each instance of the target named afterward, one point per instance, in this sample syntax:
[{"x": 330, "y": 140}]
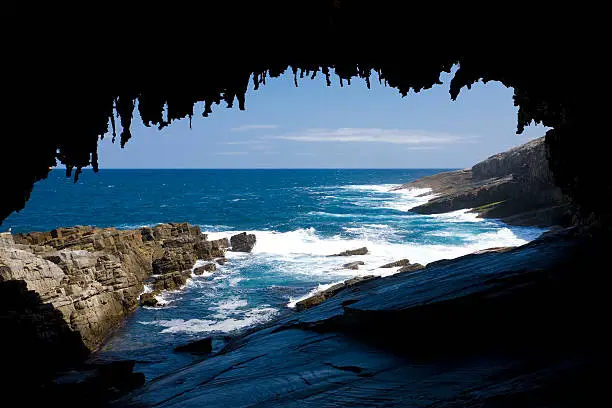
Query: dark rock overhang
[{"x": 73, "y": 75}]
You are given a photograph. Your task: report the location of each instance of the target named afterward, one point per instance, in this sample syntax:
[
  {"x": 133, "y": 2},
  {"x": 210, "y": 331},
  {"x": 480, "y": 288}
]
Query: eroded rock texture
[{"x": 94, "y": 277}]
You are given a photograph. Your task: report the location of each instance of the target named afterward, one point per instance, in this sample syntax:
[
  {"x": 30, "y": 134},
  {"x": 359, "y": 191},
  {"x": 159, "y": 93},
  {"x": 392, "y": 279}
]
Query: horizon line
[{"x": 266, "y": 168}]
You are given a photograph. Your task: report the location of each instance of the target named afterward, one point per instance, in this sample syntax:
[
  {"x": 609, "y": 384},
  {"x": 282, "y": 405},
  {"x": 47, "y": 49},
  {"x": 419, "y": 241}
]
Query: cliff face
[
  {"x": 516, "y": 186},
  {"x": 94, "y": 277}
]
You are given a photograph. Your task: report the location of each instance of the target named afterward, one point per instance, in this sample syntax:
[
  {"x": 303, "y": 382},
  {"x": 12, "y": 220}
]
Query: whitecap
[{"x": 251, "y": 317}]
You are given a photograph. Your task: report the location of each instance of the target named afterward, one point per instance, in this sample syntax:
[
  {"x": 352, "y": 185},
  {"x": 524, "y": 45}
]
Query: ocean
[{"x": 298, "y": 217}]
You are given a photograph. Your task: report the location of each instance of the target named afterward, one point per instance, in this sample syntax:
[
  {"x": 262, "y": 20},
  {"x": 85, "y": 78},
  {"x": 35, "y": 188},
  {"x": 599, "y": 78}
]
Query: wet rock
[
  {"x": 330, "y": 292},
  {"x": 99, "y": 382},
  {"x": 401, "y": 262},
  {"x": 209, "y": 267},
  {"x": 411, "y": 267},
  {"x": 198, "y": 346},
  {"x": 171, "y": 281},
  {"x": 350, "y": 252},
  {"x": 353, "y": 265},
  {"x": 148, "y": 299},
  {"x": 221, "y": 261},
  {"x": 243, "y": 242}
]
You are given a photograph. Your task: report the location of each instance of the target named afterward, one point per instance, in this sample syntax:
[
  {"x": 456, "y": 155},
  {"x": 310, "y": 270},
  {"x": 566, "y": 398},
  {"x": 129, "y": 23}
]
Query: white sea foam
[
  {"x": 457, "y": 216},
  {"x": 249, "y": 318},
  {"x": 230, "y": 304},
  {"x": 303, "y": 253},
  {"x": 399, "y": 200}
]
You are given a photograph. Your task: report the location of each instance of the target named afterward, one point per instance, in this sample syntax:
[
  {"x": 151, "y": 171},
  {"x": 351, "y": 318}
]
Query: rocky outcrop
[
  {"x": 148, "y": 299},
  {"x": 209, "y": 267},
  {"x": 243, "y": 242},
  {"x": 94, "y": 276},
  {"x": 515, "y": 186},
  {"x": 330, "y": 292},
  {"x": 401, "y": 262},
  {"x": 351, "y": 252},
  {"x": 410, "y": 267}
]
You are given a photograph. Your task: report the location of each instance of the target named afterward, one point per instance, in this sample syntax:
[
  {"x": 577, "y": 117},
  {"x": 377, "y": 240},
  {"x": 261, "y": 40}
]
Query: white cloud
[
  {"x": 230, "y": 153},
  {"x": 243, "y": 128},
  {"x": 374, "y": 135}
]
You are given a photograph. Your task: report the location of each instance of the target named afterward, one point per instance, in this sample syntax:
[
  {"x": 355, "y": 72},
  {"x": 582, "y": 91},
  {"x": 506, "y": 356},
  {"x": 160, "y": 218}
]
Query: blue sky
[{"x": 315, "y": 126}]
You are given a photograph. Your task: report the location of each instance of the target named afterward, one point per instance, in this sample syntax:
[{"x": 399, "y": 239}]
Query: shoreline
[{"x": 515, "y": 186}]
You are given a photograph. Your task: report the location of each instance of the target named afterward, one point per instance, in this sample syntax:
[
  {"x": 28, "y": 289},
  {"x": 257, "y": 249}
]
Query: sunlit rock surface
[{"x": 516, "y": 186}]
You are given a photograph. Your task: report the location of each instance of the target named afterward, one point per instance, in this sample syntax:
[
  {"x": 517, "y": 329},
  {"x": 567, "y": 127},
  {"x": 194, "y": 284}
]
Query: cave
[{"x": 72, "y": 77}]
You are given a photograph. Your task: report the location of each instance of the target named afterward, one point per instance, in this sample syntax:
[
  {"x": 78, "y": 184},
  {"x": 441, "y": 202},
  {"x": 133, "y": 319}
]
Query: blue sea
[{"x": 298, "y": 217}]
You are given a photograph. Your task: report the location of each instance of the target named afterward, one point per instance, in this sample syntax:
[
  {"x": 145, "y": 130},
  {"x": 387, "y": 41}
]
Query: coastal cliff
[
  {"x": 516, "y": 186},
  {"x": 94, "y": 276}
]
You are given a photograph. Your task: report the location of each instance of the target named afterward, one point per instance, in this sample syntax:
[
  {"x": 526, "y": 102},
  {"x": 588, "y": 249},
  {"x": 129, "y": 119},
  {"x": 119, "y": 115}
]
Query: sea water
[{"x": 298, "y": 216}]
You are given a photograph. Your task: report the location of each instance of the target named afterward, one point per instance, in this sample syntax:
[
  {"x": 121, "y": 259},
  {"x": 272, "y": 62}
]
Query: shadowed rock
[
  {"x": 148, "y": 299},
  {"x": 198, "y": 346},
  {"x": 513, "y": 328}
]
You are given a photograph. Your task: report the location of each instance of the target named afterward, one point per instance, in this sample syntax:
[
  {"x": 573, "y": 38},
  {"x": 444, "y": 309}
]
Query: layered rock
[
  {"x": 516, "y": 186},
  {"x": 94, "y": 276}
]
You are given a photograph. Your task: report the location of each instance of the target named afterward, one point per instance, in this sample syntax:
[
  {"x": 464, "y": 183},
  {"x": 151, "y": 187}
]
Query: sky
[{"x": 315, "y": 126}]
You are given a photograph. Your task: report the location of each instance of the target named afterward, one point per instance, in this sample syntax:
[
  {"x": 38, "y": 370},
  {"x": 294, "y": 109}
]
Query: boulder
[
  {"x": 351, "y": 252},
  {"x": 243, "y": 242},
  {"x": 209, "y": 267},
  {"x": 330, "y": 292},
  {"x": 401, "y": 262},
  {"x": 221, "y": 261},
  {"x": 411, "y": 267},
  {"x": 148, "y": 299},
  {"x": 198, "y": 346},
  {"x": 353, "y": 265}
]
